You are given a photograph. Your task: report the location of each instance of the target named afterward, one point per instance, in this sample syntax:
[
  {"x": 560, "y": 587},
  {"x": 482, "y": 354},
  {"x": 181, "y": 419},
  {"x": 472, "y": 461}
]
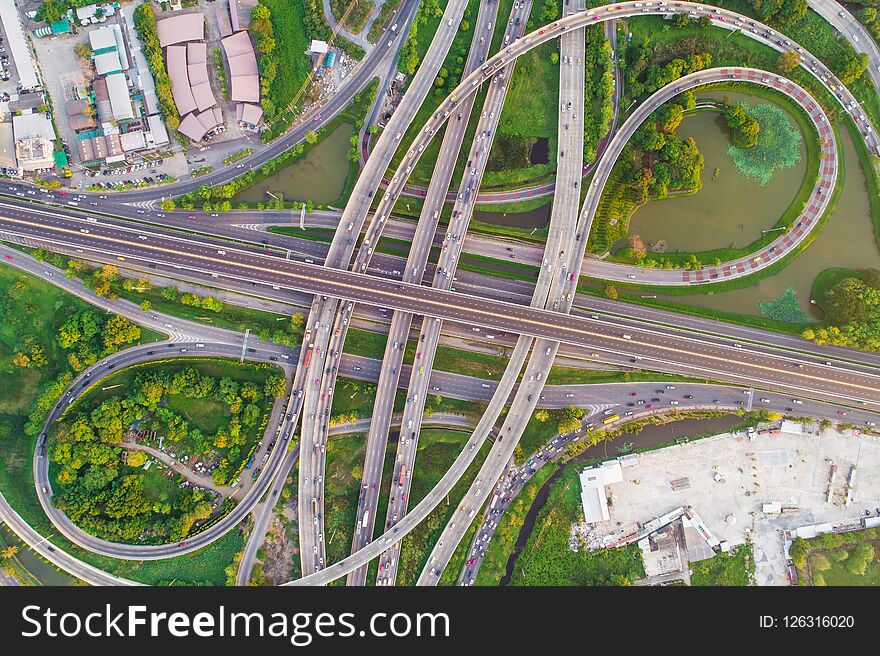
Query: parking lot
[{"x": 727, "y": 478}]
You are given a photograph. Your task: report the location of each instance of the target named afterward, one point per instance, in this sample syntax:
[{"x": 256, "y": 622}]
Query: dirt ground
[{"x": 280, "y": 548}]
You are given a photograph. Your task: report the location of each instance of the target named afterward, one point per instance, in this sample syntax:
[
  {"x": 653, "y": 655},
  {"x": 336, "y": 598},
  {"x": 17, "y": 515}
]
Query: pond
[
  {"x": 540, "y": 151},
  {"x": 730, "y": 210},
  {"x": 536, "y": 218},
  {"x": 319, "y": 176},
  {"x": 847, "y": 240}
]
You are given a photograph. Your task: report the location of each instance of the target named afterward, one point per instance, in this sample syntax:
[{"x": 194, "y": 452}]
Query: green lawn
[
  {"x": 546, "y": 558},
  {"x": 734, "y": 568},
  {"x": 530, "y": 112},
  {"x": 292, "y": 63}
]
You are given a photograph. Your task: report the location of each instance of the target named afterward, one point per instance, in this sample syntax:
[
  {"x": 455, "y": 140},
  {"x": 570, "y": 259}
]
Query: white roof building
[
  {"x": 593, "y": 482},
  {"x": 28, "y": 126},
  {"x": 18, "y": 46},
  {"x": 120, "y": 101},
  {"x": 133, "y": 141},
  {"x": 158, "y": 134},
  {"x": 102, "y": 38},
  {"x": 108, "y": 62},
  {"x": 320, "y": 47}
]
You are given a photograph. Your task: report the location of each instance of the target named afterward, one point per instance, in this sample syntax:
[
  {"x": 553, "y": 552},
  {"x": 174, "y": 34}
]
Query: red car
[
  {"x": 182, "y": 544},
  {"x": 375, "y": 486},
  {"x": 191, "y": 217},
  {"x": 841, "y": 413},
  {"x": 633, "y": 393},
  {"x": 8, "y": 258}
]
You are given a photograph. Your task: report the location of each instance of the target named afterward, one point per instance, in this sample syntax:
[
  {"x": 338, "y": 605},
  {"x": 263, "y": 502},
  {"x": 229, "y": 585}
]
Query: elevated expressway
[
  {"x": 198, "y": 261},
  {"x": 414, "y": 270},
  {"x": 561, "y": 233},
  {"x": 558, "y": 27},
  {"x": 324, "y": 309},
  {"x": 524, "y": 402}
]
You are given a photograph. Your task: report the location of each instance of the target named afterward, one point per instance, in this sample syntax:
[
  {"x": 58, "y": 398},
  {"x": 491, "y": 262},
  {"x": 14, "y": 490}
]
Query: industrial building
[{"x": 28, "y": 79}]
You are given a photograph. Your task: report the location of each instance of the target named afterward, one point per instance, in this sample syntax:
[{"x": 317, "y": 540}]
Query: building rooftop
[
  {"x": 180, "y": 28},
  {"x": 102, "y": 39},
  {"x": 108, "y": 62},
  {"x": 120, "y": 101},
  {"x": 593, "y": 482},
  {"x": 18, "y": 46},
  {"x": 27, "y": 126}
]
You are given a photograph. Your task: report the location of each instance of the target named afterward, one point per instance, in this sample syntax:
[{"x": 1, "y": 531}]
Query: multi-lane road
[{"x": 657, "y": 347}]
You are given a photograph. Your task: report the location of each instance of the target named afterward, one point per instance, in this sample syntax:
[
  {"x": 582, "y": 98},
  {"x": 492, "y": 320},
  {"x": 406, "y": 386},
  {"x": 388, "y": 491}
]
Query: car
[
  {"x": 191, "y": 217},
  {"x": 8, "y": 258},
  {"x": 633, "y": 393},
  {"x": 841, "y": 413},
  {"x": 317, "y": 117}
]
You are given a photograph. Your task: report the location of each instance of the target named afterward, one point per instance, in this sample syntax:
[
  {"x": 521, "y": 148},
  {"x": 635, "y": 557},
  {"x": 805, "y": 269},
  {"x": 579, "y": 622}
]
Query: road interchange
[{"x": 394, "y": 306}]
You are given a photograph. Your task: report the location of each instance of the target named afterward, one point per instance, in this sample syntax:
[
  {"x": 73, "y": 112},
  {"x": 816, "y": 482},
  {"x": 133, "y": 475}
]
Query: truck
[
  {"x": 402, "y": 475},
  {"x": 308, "y": 355},
  {"x": 365, "y": 519},
  {"x": 250, "y": 461}
]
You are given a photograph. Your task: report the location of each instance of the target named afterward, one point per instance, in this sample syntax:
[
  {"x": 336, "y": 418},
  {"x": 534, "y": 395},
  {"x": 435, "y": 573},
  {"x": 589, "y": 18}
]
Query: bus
[
  {"x": 314, "y": 506},
  {"x": 402, "y": 475},
  {"x": 610, "y": 419},
  {"x": 494, "y": 501},
  {"x": 365, "y": 519}
]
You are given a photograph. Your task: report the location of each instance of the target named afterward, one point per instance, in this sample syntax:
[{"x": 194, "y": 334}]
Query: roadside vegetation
[
  {"x": 735, "y": 568},
  {"x": 145, "y": 25},
  {"x": 530, "y": 112},
  {"x": 423, "y": 29},
  {"x": 849, "y": 558},
  {"x": 108, "y": 481},
  {"x": 547, "y": 559},
  {"x": 358, "y": 11},
  {"x": 382, "y": 20},
  {"x": 851, "y": 300},
  {"x": 598, "y": 90}
]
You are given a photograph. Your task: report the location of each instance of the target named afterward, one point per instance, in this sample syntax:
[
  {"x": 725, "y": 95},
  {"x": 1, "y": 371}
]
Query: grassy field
[
  {"x": 530, "y": 112},
  {"x": 232, "y": 317},
  {"x": 293, "y": 65},
  {"x": 734, "y": 568},
  {"x": 546, "y": 559}
]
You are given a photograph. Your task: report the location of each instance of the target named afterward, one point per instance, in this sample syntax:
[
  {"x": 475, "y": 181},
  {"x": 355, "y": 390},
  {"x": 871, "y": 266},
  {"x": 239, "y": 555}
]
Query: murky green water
[
  {"x": 846, "y": 241},
  {"x": 319, "y": 176},
  {"x": 730, "y": 210},
  {"x": 43, "y": 572}
]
